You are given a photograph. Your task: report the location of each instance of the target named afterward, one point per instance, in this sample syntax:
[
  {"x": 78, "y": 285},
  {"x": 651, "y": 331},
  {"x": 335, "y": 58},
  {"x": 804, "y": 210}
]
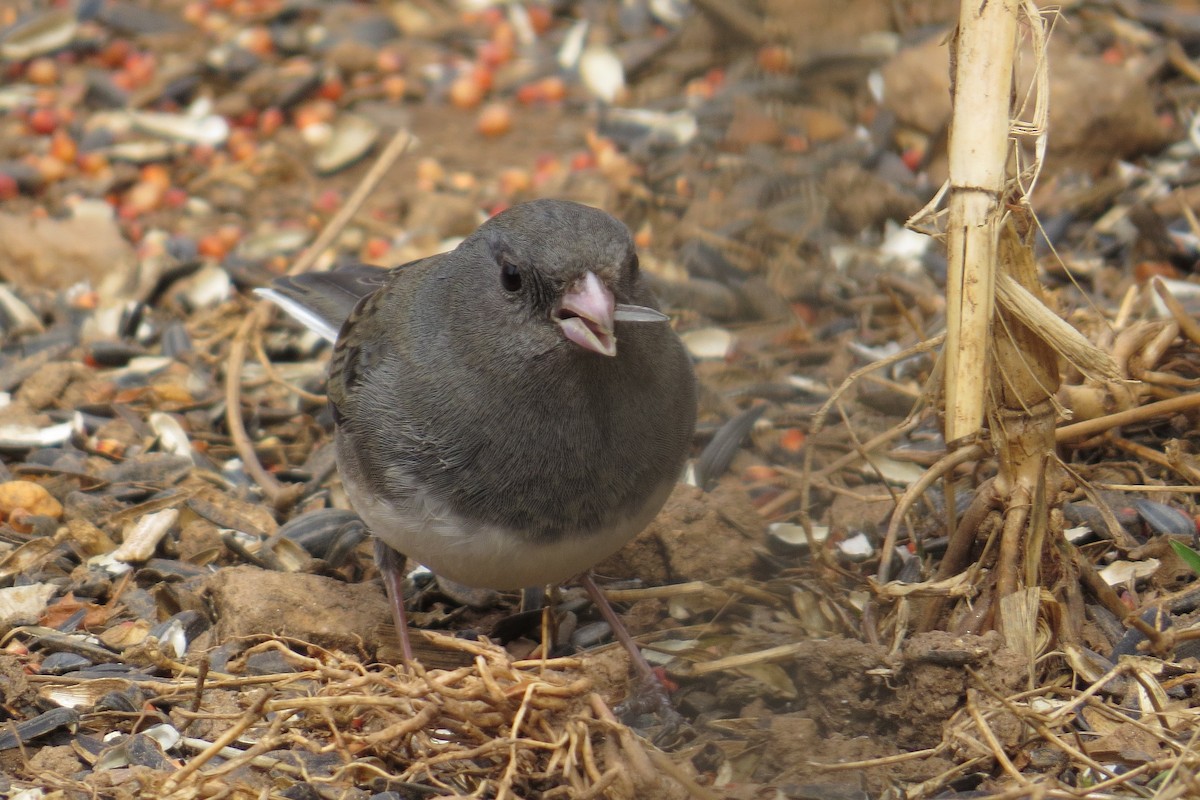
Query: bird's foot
[{"x": 648, "y": 698}]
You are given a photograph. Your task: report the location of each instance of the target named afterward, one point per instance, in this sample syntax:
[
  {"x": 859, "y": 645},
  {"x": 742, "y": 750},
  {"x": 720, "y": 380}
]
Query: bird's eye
[{"x": 510, "y": 277}]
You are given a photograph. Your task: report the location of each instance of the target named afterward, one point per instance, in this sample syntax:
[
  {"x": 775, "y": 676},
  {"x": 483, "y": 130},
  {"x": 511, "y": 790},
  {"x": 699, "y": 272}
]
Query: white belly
[{"x": 487, "y": 556}]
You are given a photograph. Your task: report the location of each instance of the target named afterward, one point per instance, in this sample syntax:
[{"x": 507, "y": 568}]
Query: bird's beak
[{"x": 585, "y": 315}]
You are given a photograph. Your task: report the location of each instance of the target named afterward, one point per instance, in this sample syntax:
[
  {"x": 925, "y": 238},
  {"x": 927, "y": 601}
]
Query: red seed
[
  {"x": 43, "y": 120},
  {"x": 140, "y": 67},
  {"x": 270, "y": 120},
  {"x": 376, "y": 248},
  {"x": 175, "y": 197},
  {"x": 8, "y": 186},
  {"x": 328, "y": 201},
  {"x": 528, "y": 94},
  {"x": 539, "y": 18},
  {"x": 582, "y": 161},
  {"x": 156, "y": 174},
  {"x": 332, "y": 89}
]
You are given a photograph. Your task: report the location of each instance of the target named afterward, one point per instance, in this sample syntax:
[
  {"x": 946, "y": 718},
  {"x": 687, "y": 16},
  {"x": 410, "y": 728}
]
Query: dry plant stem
[
  {"x": 273, "y": 374},
  {"x": 1183, "y": 470},
  {"x": 931, "y": 787},
  {"x": 253, "y": 714},
  {"x": 399, "y": 143},
  {"x": 1091, "y": 427},
  {"x": 925, "y": 346},
  {"x": 1180, "y": 61},
  {"x": 958, "y": 552},
  {"x": 1187, "y": 324},
  {"x": 629, "y": 743},
  {"x": 993, "y": 743},
  {"x": 914, "y": 492},
  {"x": 899, "y": 758},
  {"x": 1025, "y": 449},
  {"x": 669, "y": 767},
  {"x": 275, "y": 492},
  {"x": 982, "y": 61},
  {"x": 778, "y": 653},
  {"x": 1035, "y": 721}
]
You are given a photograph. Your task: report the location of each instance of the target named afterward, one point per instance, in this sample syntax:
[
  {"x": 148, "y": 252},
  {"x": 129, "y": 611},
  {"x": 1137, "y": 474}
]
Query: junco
[{"x": 508, "y": 413}]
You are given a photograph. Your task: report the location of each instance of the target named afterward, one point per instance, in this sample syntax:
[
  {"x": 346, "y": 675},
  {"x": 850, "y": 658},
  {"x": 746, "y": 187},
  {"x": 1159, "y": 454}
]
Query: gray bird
[{"x": 508, "y": 413}]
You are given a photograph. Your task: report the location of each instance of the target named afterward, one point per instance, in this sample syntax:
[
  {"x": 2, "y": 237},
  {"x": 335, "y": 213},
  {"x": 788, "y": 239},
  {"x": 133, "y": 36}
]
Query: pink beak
[{"x": 586, "y": 315}]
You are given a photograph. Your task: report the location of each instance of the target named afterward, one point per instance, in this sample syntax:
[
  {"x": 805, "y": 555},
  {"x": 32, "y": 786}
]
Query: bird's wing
[{"x": 322, "y": 301}]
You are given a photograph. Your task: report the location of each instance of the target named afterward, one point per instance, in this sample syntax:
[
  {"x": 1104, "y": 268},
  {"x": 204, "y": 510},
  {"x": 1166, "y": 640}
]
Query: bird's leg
[
  {"x": 391, "y": 568},
  {"x": 650, "y": 694},
  {"x": 533, "y": 598}
]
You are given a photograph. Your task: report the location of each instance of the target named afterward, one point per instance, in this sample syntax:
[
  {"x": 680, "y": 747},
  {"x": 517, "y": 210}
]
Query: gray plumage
[{"x": 474, "y": 433}]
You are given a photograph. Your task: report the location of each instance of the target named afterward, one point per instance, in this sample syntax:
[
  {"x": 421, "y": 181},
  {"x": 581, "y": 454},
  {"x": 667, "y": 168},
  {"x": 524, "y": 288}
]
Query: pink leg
[
  {"x": 391, "y": 568},
  {"x": 649, "y": 694}
]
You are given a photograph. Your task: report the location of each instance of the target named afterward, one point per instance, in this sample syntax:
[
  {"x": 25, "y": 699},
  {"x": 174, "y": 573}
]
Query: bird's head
[{"x": 559, "y": 274}]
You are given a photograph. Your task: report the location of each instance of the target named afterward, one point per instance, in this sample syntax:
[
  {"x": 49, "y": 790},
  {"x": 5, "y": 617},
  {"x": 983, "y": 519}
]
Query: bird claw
[{"x": 649, "y": 697}]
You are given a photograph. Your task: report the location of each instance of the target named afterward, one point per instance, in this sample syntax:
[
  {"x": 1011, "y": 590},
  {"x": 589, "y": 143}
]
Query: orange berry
[
  {"x": 230, "y": 234},
  {"x": 792, "y": 440},
  {"x": 553, "y": 88},
  {"x": 257, "y": 40},
  {"x": 211, "y": 246},
  {"x": 63, "y": 147},
  {"x": 389, "y": 61},
  {"x": 465, "y": 92},
  {"x": 539, "y": 18},
  {"x": 114, "y": 53},
  {"x": 495, "y": 119},
  {"x": 42, "y": 71},
  {"x": 774, "y": 58},
  {"x": 759, "y": 473},
  {"x": 514, "y": 180},
  {"x": 156, "y": 174},
  {"x": 395, "y": 87}
]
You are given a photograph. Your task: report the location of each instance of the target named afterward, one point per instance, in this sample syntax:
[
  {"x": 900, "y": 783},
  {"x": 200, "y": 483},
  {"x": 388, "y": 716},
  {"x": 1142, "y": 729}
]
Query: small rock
[{"x": 249, "y": 601}]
